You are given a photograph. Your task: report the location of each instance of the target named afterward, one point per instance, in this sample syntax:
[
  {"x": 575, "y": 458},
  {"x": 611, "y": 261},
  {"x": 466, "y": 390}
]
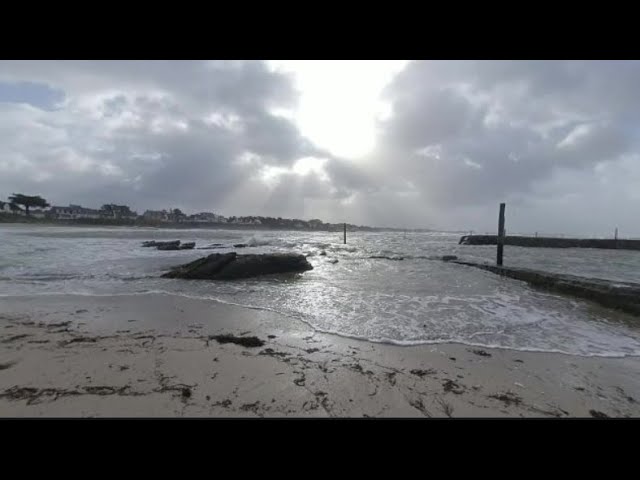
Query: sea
[{"x": 408, "y": 297}]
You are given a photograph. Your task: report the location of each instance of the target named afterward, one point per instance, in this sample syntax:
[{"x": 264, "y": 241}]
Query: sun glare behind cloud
[{"x": 340, "y": 100}]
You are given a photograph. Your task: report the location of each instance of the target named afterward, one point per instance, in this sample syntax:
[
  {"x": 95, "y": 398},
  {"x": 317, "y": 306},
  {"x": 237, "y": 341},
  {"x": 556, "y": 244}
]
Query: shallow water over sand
[{"x": 410, "y": 301}]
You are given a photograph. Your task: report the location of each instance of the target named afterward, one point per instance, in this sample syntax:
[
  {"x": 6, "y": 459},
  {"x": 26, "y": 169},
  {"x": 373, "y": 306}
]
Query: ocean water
[{"x": 411, "y": 301}]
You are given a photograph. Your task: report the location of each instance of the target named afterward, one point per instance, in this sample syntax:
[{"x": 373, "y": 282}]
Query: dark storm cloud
[
  {"x": 465, "y": 135},
  {"x": 151, "y": 133},
  {"x": 476, "y": 131}
]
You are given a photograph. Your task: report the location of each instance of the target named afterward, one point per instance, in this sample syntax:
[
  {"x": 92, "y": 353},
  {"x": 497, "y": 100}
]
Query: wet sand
[{"x": 166, "y": 356}]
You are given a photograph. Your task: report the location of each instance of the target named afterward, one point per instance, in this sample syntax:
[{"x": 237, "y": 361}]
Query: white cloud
[{"x": 425, "y": 143}]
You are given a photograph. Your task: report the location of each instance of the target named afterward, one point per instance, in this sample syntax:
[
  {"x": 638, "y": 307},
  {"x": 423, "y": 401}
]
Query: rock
[
  {"x": 187, "y": 246},
  {"x": 240, "y": 245},
  {"x": 213, "y": 246},
  {"x": 447, "y": 258},
  {"x": 333, "y": 260},
  {"x": 597, "y": 414},
  {"x": 153, "y": 243},
  {"x": 231, "y": 266},
  {"x": 395, "y": 257},
  {"x": 170, "y": 246},
  {"x": 322, "y": 253},
  {"x": 202, "y": 268}
]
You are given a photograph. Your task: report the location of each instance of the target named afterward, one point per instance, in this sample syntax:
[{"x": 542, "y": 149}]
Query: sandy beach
[{"x": 165, "y": 356}]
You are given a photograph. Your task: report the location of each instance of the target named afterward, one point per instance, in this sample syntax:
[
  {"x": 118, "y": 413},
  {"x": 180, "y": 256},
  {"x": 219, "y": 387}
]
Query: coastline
[
  {"x": 202, "y": 226},
  {"x": 157, "y": 355}
]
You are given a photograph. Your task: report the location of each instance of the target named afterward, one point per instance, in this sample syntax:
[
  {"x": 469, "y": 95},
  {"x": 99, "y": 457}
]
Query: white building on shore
[
  {"x": 72, "y": 212},
  {"x": 156, "y": 215},
  {"x": 207, "y": 217}
]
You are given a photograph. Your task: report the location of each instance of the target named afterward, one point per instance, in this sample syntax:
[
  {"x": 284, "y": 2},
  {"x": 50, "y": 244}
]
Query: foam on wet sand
[{"x": 164, "y": 355}]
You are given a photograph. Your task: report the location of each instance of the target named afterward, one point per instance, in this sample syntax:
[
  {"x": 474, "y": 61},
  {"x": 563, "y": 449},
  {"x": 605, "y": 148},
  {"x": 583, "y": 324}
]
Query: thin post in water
[
  {"x": 345, "y": 233},
  {"x": 500, "y": 234},
  {"x": 616, "y": 234}
]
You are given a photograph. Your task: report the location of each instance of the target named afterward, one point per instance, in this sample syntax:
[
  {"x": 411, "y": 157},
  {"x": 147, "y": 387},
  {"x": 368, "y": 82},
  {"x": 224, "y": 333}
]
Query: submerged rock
[
  {"x": 395, "y": 257},
  {"x": 214, "y": 246},
  {"x": 188, "y": 246},
  {"x": 448, "y": 258},
  {"x": 231, "y": 266}
]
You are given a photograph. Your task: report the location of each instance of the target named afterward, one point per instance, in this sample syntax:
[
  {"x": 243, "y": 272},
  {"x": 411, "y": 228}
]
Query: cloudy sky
[{"x": 389, "y": 143}]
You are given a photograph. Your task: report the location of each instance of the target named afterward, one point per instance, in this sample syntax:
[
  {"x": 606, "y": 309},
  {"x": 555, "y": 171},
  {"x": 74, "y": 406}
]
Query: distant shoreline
[{"x": 194, "y": 225}]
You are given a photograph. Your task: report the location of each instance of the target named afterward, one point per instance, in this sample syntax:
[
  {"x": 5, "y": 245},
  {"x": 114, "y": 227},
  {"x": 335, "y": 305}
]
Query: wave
[
  {"x": 372, "y": 339},
  {"x": 254, "y": 241}
]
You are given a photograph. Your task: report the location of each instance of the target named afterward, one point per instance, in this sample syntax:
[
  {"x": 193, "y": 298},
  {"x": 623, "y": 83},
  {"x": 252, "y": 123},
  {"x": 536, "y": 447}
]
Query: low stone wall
[
  {"x": 623, "y": 296},
  {"x": 551, "y": 242}
]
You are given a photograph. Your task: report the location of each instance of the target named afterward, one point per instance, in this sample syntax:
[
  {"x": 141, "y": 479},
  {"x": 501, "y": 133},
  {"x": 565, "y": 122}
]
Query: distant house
[
  {"x": 156, "y": 215},
  {"x": 38, "y": 213},
  {"x": 5, "y": 207},
  {"x": 207, "y": 217},
  {"x": 176, "y": 216},
  {"x": 72, "y": 212},
  {"x": 117, "y": 212}
]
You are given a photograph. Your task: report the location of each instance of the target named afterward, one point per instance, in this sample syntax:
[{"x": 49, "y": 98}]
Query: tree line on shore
[{"x": 177, "y": 218}]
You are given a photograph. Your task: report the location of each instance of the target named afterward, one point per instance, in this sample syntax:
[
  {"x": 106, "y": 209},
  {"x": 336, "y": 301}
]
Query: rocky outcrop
[
  {"x": 623, "y": 296},
  {"x": 153, "y": 243},
  {"x": 551, "y": 242},
  {"x": 215, "y": 246},
  {"x": 173, "y": 245},
  {"x": 230, "y": 266}
]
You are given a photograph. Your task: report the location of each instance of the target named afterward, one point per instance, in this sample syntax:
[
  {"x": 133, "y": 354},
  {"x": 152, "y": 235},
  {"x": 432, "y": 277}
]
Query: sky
[{"x": 416, "y": 144}]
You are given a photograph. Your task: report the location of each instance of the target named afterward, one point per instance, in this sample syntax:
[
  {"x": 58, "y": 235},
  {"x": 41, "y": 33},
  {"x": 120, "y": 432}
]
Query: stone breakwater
[
  {"x": 551, "y": 242},
  {"x": 623, "y": 296}
]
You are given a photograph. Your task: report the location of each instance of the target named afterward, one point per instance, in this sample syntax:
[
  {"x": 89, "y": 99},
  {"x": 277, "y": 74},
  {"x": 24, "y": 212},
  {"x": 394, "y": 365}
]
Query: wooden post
[
  {"x": 500, "y": 234},
  {"x": 345, "y": 233}
]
